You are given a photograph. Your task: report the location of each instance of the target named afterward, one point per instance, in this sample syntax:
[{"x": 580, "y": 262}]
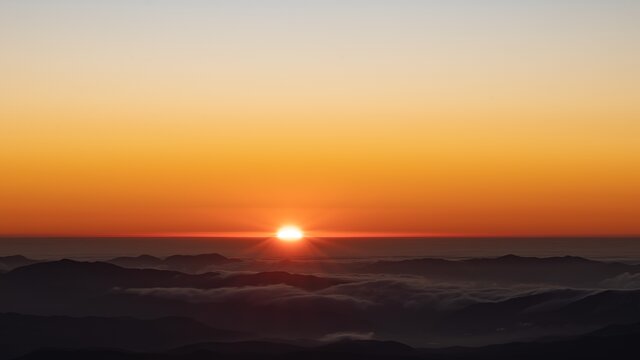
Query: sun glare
[{"x": 290, "y": 233}]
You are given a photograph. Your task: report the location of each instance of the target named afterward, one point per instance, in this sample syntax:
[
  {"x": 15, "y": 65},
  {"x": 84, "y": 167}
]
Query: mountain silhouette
[
  {"x": 183, "y": 263},
  {"x": 14, "y": 261},
  {"x": 567, "y": 270},
  {"x": 68, "y": 284}
]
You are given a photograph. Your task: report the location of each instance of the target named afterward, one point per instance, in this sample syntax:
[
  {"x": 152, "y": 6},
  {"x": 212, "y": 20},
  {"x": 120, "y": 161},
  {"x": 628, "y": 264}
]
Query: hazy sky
[{"x": 396, "y": 116}]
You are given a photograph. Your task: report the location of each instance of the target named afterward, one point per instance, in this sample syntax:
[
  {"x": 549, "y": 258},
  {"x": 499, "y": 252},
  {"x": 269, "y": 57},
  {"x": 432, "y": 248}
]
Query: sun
[{"x": 290, "y": 233}]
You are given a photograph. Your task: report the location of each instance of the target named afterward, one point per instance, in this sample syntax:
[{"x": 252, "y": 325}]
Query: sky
[{"x": 457, "y": 117}]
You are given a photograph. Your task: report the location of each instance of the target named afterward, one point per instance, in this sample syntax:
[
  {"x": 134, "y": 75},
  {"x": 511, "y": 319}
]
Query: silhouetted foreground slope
[
  {"x": 20, "y": 334},
  {"x": 618, "y": 342}
]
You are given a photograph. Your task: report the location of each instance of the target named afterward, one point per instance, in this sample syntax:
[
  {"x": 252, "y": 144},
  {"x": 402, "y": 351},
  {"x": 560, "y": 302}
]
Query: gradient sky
[{"x": 380, "y": 117}]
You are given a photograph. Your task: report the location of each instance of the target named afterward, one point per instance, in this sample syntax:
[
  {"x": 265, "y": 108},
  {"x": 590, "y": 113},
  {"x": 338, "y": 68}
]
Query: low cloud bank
[
  {"x": 249, "y": 295},
  {"x": 366, "y": 293},
  {"x": 402, "y": 306},
  {"x": 342, "y": 336},
  {"x": 623, "y": 281}
]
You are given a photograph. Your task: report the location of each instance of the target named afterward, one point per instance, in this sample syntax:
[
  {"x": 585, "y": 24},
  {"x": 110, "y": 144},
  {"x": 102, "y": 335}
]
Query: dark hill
[
  {"x": 183, "y": 263},
  {"x": 24, "y": 333},
  {"x": 15, "y": 261}
]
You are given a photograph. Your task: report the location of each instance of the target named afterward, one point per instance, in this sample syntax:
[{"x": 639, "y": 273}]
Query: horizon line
[{"x": 354, "y": 235}]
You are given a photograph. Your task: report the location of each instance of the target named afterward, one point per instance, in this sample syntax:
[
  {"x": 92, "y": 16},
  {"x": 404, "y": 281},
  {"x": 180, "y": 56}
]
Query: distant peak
[
  {"x": 212, "y": 255},
  {"x": 65, "y": 264},
  {"x": 14, "y": 257},
  {"x": 510, "y": 257}
]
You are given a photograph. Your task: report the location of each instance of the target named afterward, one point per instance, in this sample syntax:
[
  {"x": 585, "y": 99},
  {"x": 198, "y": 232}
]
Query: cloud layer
[{"x": 409, "y": 309}]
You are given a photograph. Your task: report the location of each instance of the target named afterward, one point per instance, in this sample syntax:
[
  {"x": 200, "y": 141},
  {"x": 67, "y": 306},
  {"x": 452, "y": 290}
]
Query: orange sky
[{"x": 427, "y": 118}]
